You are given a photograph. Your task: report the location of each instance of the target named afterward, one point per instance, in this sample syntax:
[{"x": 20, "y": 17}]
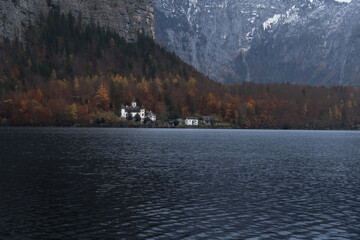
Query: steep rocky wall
[
  {"x": 298, "y": 41},
  {"x": 126, "y": 17}
]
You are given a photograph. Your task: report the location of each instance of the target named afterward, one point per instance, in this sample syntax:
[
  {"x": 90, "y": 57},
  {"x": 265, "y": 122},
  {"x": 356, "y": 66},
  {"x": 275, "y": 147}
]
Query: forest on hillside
[{"x": 66, "y": 74}]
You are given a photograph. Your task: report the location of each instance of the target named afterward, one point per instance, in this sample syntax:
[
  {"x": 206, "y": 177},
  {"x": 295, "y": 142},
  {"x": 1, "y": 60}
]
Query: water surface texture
[{"x": 179, "y": 184}]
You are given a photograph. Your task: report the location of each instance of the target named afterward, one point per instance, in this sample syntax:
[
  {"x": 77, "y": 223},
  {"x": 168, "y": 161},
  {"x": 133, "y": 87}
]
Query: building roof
[
  {"x": 150, "y": 114},
  {"x": 209, "y": 118},
  {"x": 132, "y": 109}
]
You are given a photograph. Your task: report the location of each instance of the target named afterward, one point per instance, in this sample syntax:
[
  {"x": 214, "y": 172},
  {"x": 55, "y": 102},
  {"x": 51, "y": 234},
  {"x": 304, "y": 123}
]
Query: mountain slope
[
  {"x": 298, "y": 41},
  {"x": 65, "y": 73},
  {"x": 63, "y": 68},
  {"x": 126, "y": 17}
]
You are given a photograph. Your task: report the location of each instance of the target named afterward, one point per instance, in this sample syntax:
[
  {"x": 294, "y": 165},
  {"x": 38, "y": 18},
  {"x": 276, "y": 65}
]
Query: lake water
[{"x": 179, "y": 184}]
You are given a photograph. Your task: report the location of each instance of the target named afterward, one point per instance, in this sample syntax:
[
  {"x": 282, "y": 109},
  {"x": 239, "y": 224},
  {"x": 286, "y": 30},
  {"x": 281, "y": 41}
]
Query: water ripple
[{"x": 178, "y": 184}]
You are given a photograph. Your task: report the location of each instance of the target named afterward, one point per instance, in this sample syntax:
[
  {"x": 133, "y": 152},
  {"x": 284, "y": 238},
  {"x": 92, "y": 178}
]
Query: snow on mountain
[
  {"x": 343, "y": 1},
  {"x": 300, "y": 41}
]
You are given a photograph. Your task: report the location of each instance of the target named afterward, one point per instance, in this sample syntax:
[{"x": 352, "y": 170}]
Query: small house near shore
[
  {"x": 180, "y": 121},
  {"x": 151, "y": 116},
  {"x": 209, "y": 120},
  {"x": 192, "y": 121}
]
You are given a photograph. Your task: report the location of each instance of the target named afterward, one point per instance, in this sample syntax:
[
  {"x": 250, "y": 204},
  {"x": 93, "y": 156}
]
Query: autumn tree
[
  {"x": 39, "y": 95},
  {"x": 102, "y": 98},
  {"x": 53, "y": 75},
  {"x": 76, "y": 84},
  {"x": 330, "y": 113},
  {"x": 74, "y": 111},
  {"x": 337, "y": 113}
]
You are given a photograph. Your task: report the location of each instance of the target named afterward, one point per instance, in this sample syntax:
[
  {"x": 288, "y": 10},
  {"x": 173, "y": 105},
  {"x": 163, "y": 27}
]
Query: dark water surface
[{"x": 178, "y": 184}]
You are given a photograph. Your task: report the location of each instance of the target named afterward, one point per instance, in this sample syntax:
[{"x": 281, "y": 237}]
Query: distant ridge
[{"x": 312, "y": 42}]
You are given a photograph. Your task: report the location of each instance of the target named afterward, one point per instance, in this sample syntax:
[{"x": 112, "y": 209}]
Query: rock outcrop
[
  {"x": 297, "y": 41},
  {"x": 126, "y": 17}
]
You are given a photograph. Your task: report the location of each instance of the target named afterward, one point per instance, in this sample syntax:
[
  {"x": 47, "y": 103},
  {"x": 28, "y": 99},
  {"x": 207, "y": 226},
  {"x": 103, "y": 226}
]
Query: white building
[
  {"x": 133, "y": 110},
  {"x": 191, "y": 121},
  {"x": 209, "y": 120},
  {"x": 151, "y": 116}
]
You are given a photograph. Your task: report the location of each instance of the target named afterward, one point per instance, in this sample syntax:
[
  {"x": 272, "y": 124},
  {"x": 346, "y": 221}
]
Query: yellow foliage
[
  {"x": 124, "y": 82},
  {"x": 116, "y": 79},
  {"x": 338, "y": 115},
  {"x": 236, "y": 116},
  {"x": 353, "y": 100},
  {"x": 175, "y": 81},
  {"x": 62, "y": 84},
  {"x": 53, "y": 75},
  {"x": 330, "y": 113},
  {"x": 192, "y": 82},
  {"x": 143, "y": 86},
  {"x": 251, "y": 105},
  {"x": 120, "y": 80},
  {"x": 305, "y": 109},
  {"x": 112, "y": 42},
  {"x": 29, "y": 63},
  {"x": 192, "y": 93},
  {"x": 23, "y": 106},
  {"x": 95, "y": 78},
  {"x": 39, "y": 95},
  {"x": 167, "y": 83},
  {"x": 76, "y": 83},
  {"x": 212, "y": 101},
  {"x": 158, "y": 85},
  {"x": 228, "y": 114},
  {"x": 88, "y": 80},
  {"x": 73, "y": 111},
  {"x": 132, "y": 78},
  {"x": 341, "y": 104},
  {"x": 102, "y": 98}
]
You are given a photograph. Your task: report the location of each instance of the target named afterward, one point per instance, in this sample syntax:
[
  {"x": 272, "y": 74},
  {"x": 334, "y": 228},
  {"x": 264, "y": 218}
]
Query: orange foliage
[{"x": 102, "y": 98}]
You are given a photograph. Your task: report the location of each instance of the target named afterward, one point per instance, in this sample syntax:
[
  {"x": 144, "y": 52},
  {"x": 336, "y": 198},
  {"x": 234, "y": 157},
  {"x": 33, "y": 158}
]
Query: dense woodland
[{"x": 67, "y": 74}]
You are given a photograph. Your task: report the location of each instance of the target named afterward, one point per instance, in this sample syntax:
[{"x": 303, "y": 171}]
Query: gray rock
[
  {"x": 298, "y": 41},
  {"x": 126, "y": 17}
]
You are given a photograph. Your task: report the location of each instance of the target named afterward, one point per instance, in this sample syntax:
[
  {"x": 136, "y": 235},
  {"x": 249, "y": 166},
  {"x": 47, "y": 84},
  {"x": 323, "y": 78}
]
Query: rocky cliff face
[
  {"x": 126, "y": 17},
  {"x": 298, "y": 41}
]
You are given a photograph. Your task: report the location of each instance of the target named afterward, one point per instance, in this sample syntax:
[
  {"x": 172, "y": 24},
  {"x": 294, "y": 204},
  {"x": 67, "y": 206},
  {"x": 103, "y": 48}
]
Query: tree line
[{"x": 64, "y": 74}]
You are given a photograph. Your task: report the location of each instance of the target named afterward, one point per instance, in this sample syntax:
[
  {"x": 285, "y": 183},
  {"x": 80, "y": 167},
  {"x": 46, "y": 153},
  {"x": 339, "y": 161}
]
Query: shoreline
[{"x": 186, "y": 128}]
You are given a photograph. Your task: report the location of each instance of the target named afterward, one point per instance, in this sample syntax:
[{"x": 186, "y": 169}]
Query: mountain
[
  {"x": 65, "y": 72},
  {"x": 297, "y": 41},
  {"x": 68, "y": 73},
  {"x": 125, "y": 17}
]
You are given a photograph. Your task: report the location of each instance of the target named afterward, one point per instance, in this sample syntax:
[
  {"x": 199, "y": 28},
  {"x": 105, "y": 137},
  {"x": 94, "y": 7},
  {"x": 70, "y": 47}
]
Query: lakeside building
[
  {"x": 209, "y": 120},
  {"x": 134, "y": 110},
  {"x": 151, "y": 116},
  {"x": 192, "y": 121},
  {"x": 180, "y": 121}
]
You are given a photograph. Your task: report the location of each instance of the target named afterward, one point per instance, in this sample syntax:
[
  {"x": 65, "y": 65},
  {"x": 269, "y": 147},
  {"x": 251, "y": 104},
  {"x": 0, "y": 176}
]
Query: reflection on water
[{"x": 176, "y": 184}]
